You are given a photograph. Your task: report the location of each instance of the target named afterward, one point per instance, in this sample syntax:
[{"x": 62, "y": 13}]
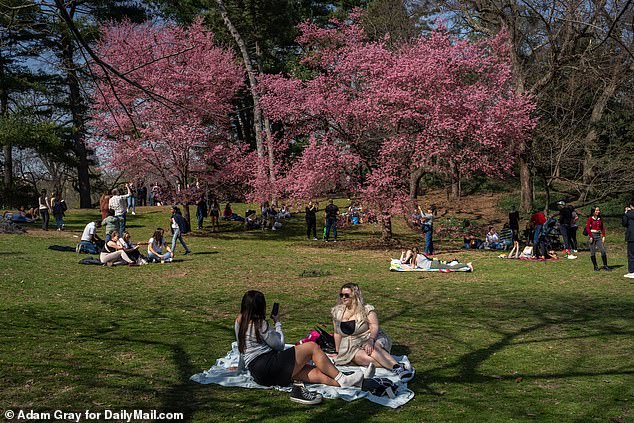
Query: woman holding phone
[{"x": 262, "y": 350}]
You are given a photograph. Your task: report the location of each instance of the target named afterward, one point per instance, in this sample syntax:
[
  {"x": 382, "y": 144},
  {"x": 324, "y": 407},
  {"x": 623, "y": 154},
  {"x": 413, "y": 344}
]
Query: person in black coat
[{"x": 628, "y": 222}]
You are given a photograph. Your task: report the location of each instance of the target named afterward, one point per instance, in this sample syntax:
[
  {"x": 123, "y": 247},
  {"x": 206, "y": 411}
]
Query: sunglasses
[{"x": 342, "y": 295}]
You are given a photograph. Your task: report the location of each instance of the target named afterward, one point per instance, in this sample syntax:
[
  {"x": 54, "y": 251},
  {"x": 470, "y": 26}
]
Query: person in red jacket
[
  {"x": 537, "y": 220},
  {"x": 596, "y": 235}
]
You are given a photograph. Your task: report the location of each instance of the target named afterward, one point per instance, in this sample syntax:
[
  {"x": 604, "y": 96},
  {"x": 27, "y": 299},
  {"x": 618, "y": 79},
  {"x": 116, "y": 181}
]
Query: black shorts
[
  {"x": 274, "y": 368},
  {"x": 214, "y": 213}
]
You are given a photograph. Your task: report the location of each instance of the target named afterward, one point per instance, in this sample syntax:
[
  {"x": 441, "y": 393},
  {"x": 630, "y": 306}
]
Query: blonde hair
[{"x": 358, "y": 307}]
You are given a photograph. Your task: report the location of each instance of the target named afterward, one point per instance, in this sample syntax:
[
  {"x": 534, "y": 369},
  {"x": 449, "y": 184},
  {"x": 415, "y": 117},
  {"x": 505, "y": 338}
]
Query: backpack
[{"x": 379, "y": 386}]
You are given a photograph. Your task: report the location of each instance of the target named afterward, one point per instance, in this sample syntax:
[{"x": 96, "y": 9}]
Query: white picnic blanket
[{"x": 227, "y": 372}]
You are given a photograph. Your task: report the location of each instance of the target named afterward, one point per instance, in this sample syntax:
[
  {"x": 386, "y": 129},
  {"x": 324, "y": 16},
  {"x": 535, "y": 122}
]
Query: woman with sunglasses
[
  {"x": 262, "y": 350},
  {"x": 358, "y": 337}
]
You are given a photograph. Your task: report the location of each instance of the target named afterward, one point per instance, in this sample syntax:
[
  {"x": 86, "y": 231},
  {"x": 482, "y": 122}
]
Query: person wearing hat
[{"x": 565, "y": 219}]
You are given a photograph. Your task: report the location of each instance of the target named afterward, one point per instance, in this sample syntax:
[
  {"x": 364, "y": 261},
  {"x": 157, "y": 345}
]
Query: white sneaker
[
  {"x": 571, "y": 257},
  {"x": 134, "y": 213},
  {"x": 314, "y": 239},
  {"x": 629, "y": 275},
  {"x": 369, "y": 371}
]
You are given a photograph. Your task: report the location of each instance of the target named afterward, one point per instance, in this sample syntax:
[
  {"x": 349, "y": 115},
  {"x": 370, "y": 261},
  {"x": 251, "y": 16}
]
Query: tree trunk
[
  {"x": 455, "y": 180},
  {"x": 590, "y": 140},
  {"x": 77, "y": 111},
  {"x": 7, "y": 149},
  {"x": 386, "y": 229},
  {"x": 187, "y": 216},
  {"x": 526, "y": 185},
  {"x": 414, "y": 181},
  {"x": 251, "y": 73}
]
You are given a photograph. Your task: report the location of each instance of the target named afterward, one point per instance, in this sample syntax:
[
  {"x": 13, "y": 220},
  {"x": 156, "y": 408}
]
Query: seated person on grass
[
  {"x": 90, "y": 242},
  {"x": 113, "y": 253},
  {"x": 157, "y": 248},
  {"x": 493, "y": 240},
  {"x": 131, "y": 249},
  {"x": 251, "y": 221},
  {"x": 421, "y": 261}
]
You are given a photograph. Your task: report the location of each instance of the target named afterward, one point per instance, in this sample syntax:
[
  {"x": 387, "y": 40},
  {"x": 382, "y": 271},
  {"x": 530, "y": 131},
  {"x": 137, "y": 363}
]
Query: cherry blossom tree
[
  {"x": 172, "y": 125},
  {"x": 374, "y": 115}
]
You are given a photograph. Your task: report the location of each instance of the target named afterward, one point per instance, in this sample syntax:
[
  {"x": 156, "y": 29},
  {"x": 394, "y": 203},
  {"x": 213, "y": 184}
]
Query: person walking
[
  {"x": 311, "y": 220},
  {"x": 596, "y": 234},
  {"x": 179, "y": 227},
  {"x": 330, "y": 213},
  {"x": 44, "y": 207},
  {"x": 201, "y": 211},
  {"x": 628, "y": 222}
]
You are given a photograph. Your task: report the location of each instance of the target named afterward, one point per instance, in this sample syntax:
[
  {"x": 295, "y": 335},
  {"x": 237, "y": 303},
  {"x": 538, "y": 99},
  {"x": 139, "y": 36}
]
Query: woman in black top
[{"x": 311, "y": 220}]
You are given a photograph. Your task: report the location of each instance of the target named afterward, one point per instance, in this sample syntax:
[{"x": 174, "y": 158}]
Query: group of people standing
[
  {"x": 331, "y": 214},
  {"x": 594, "y": 230},
  {"x": 54, "y": 205}
]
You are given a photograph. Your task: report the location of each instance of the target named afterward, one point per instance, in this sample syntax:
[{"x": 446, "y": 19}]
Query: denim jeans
[
  {"x": 59, "y": 221},
  {"x": 132, "y": 203},
  {"x": 45, "y": 218},
  {"x": 538, "y": 232},
  {"x": 429, "y": 243},
  {"x": 200, "y": 218},
  {"x": 121, "y": 223},
  {"x": 88, "y": 247},
  {"x": 153, "y": 257},
  {"x": 178, "y": 236},
  {"x": 331, "y": 223}
]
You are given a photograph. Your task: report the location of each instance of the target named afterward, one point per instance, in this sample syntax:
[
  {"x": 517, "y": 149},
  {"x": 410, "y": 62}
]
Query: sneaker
[
  {"x": 301, "y": 395},
  {"x": 167, "y": 260},
  {"x": 78, "y": 249},
  {"x": 402, "y": 373},
  {"x": 629, "y": 275},
  {"x": 134, "y": 213},
  {"x": 187, "y": 252},
  {"x": 571, "y": 257},
  {"x": 314, "y": 239}
]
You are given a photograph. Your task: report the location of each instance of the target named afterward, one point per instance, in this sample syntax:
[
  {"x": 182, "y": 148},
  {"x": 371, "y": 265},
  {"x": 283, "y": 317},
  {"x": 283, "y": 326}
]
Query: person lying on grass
[
  {"x": 358, "y": 338},
  {"x": 262, "y": 351},
  {"x": 420, "y": 261}
]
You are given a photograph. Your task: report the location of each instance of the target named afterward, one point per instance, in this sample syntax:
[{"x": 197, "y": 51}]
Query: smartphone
[{"x": 276, "y": 309}]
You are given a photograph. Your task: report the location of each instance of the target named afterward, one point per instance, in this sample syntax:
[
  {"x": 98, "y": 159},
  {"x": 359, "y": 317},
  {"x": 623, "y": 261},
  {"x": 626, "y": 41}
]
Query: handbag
[{"x": 585, "y": 232}]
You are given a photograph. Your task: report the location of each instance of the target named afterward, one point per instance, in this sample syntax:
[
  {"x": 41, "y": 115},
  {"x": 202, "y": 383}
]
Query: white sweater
[{"x": 271, "y": 340}]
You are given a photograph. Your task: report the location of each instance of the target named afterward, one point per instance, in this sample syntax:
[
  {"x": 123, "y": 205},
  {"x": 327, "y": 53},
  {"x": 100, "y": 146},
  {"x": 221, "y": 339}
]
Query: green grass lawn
[{"x": 514, "y": 341}]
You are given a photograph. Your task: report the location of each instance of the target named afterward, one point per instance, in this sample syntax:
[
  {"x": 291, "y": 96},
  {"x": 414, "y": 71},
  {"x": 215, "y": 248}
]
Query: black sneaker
[
  {"x": 303, "y": 396},
  {"x": 403, "y": 374}
]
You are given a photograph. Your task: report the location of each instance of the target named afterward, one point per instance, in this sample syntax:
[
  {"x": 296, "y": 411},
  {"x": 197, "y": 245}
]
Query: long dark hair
[
  {"x": 252, "y": 311},
  {"x": 158, "y": 236}
]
